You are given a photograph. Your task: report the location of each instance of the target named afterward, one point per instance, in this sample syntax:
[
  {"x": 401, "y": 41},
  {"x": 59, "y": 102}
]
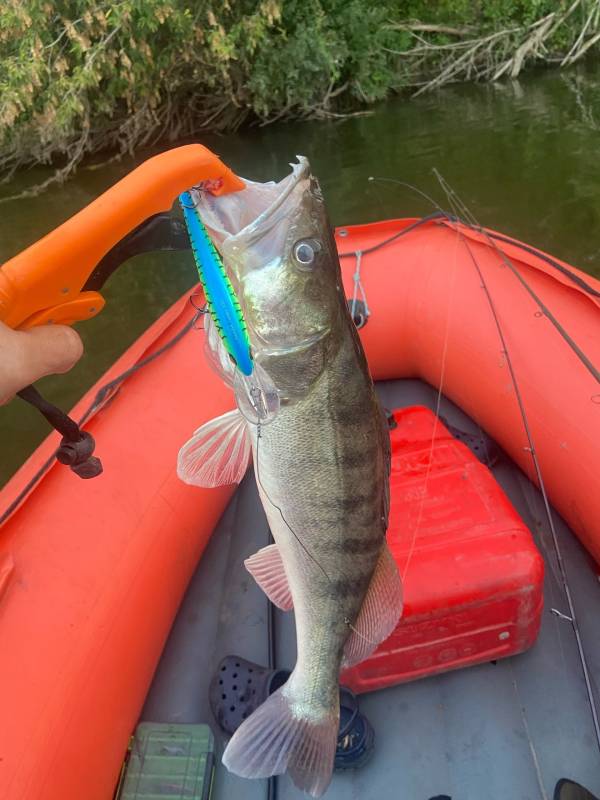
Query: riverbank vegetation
[{"x": 80, "y": 78}]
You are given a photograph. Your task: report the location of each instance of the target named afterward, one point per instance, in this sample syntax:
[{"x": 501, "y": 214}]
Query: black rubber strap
[
  {"x": 60, "y": 421},
  {"x": 101, "y": 396},
  {"x": 77, "y": 447}
]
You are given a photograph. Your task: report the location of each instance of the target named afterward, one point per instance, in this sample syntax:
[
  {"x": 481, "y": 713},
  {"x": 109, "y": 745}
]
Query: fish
[{"x": 310, "y": 420}]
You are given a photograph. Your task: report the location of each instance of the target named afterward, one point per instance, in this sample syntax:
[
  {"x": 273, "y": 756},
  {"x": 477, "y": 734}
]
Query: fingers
[{"x": 26, "y": 356}]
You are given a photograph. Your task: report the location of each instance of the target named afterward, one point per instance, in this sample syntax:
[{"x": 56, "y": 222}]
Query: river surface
[{"x": 524, "y": 156}]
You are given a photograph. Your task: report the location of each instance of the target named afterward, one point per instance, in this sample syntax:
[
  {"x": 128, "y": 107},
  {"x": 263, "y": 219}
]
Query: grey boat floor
[{"x": 503, "y": 731}]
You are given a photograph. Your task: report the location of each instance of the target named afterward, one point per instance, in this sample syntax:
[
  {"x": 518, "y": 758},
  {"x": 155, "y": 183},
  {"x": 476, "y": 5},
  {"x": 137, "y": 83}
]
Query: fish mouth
[
  {"x": 245, "y": 216},
  {"x": 252, "y": 229}
]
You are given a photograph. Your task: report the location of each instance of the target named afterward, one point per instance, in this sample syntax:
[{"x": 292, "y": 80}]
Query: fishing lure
[{"x": 222, "y": 303}]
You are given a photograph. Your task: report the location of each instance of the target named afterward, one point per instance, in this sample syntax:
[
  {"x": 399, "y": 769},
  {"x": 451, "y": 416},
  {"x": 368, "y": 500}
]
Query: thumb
[
  {"x": 49, "y": 349},
  {"x": 26, "y": 356}
]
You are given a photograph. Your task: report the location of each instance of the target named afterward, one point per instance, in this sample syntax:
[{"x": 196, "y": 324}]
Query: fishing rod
[
  {"x": 533, "y": 452},
  {"x": 456, "y": 221}
]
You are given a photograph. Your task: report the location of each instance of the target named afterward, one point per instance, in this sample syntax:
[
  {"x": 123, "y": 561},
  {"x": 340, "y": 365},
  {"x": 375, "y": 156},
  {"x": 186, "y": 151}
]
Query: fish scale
[{"x": 337, "y": 578}]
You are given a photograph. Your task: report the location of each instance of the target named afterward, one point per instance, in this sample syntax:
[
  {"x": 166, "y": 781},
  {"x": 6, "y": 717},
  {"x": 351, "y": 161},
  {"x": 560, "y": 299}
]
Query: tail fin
[{"x": 273, "y": 740}]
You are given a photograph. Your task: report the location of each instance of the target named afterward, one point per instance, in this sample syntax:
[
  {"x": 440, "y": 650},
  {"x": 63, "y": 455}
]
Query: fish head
[{"x": 278, "y": 248}]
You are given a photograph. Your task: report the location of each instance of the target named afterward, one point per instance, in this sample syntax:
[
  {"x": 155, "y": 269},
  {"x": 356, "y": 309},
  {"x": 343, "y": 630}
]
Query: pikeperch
[{"x": 320, "y": 446}]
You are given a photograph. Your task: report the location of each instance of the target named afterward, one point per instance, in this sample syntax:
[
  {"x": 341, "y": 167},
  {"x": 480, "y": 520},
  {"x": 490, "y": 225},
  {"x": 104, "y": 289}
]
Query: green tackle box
[{"x": 168, "y": 762}]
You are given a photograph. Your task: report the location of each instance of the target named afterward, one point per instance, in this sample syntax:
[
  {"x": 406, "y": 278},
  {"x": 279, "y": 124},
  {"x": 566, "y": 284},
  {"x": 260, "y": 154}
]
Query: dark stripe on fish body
[
  {"x": 347, "y": 415},
  {"x": 321, "y": 527},
  {"x": 348, "y": 587},
  {"x": 360, "y": 545},
  {"x": 365, "y": 518},
  {"x": 353, "y": 545},
  {"x": 349, "y": 513},
  {"x": 350, "y": 502},
  {"x": 362, "y": 456},
  {"x": 358, "y": 458}
]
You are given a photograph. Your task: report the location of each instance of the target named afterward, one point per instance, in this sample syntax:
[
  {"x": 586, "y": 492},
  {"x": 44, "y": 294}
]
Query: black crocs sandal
[
  {"x": 240, "y": 686},
  {"x": 569, "y": 790}
]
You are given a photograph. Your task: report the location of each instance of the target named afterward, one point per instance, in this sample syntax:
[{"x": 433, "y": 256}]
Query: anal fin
[{"x": 380, "y": 611}]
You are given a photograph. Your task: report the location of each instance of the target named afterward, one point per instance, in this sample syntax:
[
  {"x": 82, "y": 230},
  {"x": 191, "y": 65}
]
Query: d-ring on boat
[{"x": 119, "y": 596}]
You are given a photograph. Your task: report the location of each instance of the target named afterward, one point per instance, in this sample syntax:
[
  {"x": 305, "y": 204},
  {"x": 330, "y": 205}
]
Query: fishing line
[
  {"x": 410, "y": 186},
  {"x": 358, "y": 633},
  {"x": 455, "y": 219},
  {"x": 474, "y": 225},
  {"x": 437, "y": 414},
  {"x": 201, "y": 309},
  {"x": 358, "y": 287},
  {"x": 572, "y": 276},
  {"x": 279, "y": 509},
  {"x": 491, "y": 237},
  {"x": 442, "y": 215},
  {"x": 254, "y": 393},
  {"x": 289, "y": 527},
  {"x": 422, "y": 221},
  {"x": 538, "y": 471},
  {"x": 439, "y": 214}
]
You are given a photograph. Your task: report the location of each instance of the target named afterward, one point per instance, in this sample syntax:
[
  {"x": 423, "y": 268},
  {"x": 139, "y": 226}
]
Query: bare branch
[
  {"x": 583, "y": 50},
  {"x": 424, "y": 27},
  {"x": 59, "y": 176}
]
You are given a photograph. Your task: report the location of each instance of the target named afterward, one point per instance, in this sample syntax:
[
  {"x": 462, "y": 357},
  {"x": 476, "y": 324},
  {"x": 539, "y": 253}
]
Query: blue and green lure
[{"x": 222, "y": 303}]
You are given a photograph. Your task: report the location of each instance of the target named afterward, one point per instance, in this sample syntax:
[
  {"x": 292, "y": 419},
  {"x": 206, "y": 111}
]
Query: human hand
[{"x": 26, "y": 356}]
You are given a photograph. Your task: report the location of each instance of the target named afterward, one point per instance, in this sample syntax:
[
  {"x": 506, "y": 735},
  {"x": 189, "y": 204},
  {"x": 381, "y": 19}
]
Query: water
[{"x": 523, "y": 156}]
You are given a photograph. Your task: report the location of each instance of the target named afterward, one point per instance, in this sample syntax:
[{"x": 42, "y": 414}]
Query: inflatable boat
[{"x": 120, "y": 595}]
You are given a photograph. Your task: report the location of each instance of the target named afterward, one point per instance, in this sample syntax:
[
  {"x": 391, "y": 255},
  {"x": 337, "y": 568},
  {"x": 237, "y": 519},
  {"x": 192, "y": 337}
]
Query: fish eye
[{"x": 305, "y": 252}]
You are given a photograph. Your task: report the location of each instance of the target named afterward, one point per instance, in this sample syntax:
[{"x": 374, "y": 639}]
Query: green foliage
[{"x": 78, "y": 77}]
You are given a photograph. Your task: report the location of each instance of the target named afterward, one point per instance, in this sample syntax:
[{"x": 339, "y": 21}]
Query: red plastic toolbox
[{"x": 471, "y": 571}]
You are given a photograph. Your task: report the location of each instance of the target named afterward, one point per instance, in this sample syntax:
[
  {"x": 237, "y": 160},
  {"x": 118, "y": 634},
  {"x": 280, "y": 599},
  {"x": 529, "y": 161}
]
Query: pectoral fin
[
  {"x": 266, "y": 567},
  {"x": 218, "y": 453},
  {"x": 380, "y": 611}
]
